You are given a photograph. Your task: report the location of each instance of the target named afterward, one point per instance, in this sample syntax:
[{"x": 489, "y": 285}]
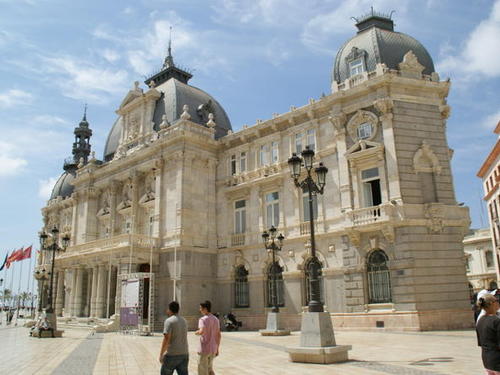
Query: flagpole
[{"x": 33, "y": 283}]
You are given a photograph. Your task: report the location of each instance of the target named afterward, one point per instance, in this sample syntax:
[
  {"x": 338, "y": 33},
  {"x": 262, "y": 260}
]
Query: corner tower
[{"x": 404, "y": 230}]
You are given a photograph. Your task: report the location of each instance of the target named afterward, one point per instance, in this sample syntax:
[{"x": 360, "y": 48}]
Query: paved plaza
[{"x": 398, "y": 353}]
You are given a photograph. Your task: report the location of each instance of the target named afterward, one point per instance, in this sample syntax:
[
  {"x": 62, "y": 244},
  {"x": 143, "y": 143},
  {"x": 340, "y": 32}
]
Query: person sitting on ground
[
  {"x": 488, "y": 334},
  {"x": 45, "y": 326}
]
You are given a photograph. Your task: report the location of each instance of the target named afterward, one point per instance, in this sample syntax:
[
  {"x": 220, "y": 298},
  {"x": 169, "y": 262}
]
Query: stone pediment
[
  {"x": 364, "y": 151},
  {"x": 136, "y": 92}
]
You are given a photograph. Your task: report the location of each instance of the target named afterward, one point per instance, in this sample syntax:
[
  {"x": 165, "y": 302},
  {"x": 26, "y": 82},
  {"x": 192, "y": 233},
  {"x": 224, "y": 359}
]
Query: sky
[{"x": 256, "y": 57}]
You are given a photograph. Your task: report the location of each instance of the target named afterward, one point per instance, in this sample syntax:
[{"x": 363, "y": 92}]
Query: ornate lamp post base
[
  {"x": 317, "y": 341},
  {"x": 273, "y": 326}
]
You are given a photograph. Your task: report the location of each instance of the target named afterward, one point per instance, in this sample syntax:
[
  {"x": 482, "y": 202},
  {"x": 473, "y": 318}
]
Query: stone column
[
  {"x": 101, "y": 291},
  {"x": 338, "y": 120},
  {"x": 72, "y": 292},
  {"x": 59, "y": 293},
  {"x": 88, "y": 296},
  {"x": 77, "y": 300},
  {"x": 115, "y": 188},
  {"x": 385, "y": 107},
  {"x": 93, "y": 294},
  {"x": 118, "y": 294}
]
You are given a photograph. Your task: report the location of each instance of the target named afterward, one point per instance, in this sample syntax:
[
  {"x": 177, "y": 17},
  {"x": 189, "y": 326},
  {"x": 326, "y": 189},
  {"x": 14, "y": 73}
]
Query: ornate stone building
[
  {"x": 490, "y": 175},
  {"x": 178, "y": 189},
  {"x": 480, "y": 259}
]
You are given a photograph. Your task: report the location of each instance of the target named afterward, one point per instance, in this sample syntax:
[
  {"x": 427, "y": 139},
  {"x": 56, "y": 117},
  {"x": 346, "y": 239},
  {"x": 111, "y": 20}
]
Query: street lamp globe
[
  {"x": 308, "y": 156},
  {"x": 295, "y": 163},
  {"x": 321, "y": 172}
]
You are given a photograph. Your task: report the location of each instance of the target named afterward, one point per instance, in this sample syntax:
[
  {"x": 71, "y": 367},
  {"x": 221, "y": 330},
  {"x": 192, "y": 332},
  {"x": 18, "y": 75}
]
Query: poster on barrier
[{"x": 129, "y": 314}]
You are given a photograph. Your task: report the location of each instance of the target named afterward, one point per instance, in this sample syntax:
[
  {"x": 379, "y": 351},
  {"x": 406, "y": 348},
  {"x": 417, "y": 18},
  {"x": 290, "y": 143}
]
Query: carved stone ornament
[
  {"x": 425, "y": 160},
  {"x": 104, "y": 204},
  {"x": 211, "y": 123},
  {"x": 133, "y": 127},
  {"x": 445, "y": 110},
  {"x": 354, "y": 237},
  {"x": 389, "y": 234},
  {"x": 384, "y": 105},
  {"x": 362, "y": 117},
  {"x": 410, "y": 63},
  {"x": 164, "y": 122},
  {"x": 434, "y": 213},
  {"x": 338, "y": 121},
  {"x": 185, "y": 114}
]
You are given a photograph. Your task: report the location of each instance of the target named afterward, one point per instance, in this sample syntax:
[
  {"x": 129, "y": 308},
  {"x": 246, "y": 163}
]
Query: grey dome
[
  {"x": 63, "y": 187},
  {"x": 175, "y": 94},
  {"x": 379, "y": 43}
]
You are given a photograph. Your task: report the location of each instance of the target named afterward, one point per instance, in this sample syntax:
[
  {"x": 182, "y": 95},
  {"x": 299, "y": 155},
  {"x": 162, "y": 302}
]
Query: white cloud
[
  {"x": 491, "y": 121},
  {"x": 481, "y": 52},
  {"x": 45, "y": 187},
  {"x": 13, "y": 97},
  {"x": 49, "y": 120},
  {"x": 10, "y": 163},
  {"x": 85, "y": 81},
  {"x": 110, "y": 55}
]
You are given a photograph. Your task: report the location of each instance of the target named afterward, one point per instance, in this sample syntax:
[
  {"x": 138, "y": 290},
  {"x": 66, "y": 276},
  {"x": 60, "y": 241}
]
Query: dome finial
[
  {"x": 85, "y": 112},
  {"x": 169, "y": 60}
]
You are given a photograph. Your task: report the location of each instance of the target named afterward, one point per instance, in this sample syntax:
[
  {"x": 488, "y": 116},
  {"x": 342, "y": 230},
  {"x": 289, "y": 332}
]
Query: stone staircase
[{"x": 80, "y": 323}]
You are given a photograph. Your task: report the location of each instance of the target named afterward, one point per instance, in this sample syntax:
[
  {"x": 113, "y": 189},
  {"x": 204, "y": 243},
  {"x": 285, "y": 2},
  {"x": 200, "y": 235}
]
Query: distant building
[
  {"x": 490, "y": 174},
  {"x": 179, "y": 190},
  {"x": 480, "y": 263}
]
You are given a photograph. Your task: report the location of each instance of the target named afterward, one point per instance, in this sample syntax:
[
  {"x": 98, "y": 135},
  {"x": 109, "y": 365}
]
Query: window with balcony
[
  {"x": 264, "y": 155},
  {"x": 272, "y": 209},
  {"x": 279, "y": 285},
  {"x": 302, "y": 140},
  {"x": 274, "y": 152},
  {"x": 240, "y": 222},
  {"x": 305, "y": 206},
  {"x": 241, "y": 292},
  {"x": 379, "y": 278},
  {"x": 243, "y": 161},
  {"x": 372, "y": 193},
  {"x": 233, "y": 165}
]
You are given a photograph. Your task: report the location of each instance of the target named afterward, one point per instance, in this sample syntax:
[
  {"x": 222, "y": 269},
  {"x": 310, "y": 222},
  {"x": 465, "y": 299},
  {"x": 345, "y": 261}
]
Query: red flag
[
  {"x": 16, "y": 254},
  {"x": 26, "y": 253}
]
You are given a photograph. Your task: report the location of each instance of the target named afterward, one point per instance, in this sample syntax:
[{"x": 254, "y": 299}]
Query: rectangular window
[
  {"x": 311, "y": 139},
  {"x": 243, "y": 162},
  {"x": 233, "y": 165},
  {"x": 298, "y": 143},
  {"x": 272, "y": 209},
  {"x": 150, "y": 225},
  {"x": 490, "y": 263},
  {"x": 305, "y": 206},
  {"x": 356, "y": 67},
  {"x": 264, "y": 155},
  {"x": 274, "y": 152},
  {"x": 127, "y": 225},
  {"x": 240, "y": 220},
  {"x": 371, "y": 187}
]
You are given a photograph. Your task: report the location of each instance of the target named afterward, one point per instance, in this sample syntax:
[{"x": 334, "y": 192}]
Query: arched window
[
  {"x": 275, "y": 267},
  {"x": 241, "y": 295},
  {"x": 379, "y": 278},
  {"x": 307, "y": 280}
]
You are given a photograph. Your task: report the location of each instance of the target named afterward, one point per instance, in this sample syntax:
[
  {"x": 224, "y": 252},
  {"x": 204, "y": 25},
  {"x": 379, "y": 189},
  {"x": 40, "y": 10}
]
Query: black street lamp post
[
  {"x": 41, "y": 275},
  {"x": 53, "y": 246},
  {"x": 273, "y": 244},
  {"x": 295, "y": 163}
]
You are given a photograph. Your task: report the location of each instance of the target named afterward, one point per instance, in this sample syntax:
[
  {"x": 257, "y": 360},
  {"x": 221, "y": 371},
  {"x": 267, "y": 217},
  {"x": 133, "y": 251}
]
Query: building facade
[
  {"x": 490, "y": 175},
  {"x": 480, "y": 259},
  {"x": 177, "y": 189}
]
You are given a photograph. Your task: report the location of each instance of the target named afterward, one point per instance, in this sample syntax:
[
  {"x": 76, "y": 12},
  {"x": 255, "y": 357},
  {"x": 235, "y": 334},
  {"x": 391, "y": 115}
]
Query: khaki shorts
[{"x": 205, "y": 364}]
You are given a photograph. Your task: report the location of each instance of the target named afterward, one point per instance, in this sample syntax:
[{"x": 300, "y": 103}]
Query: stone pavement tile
[
  {"x": 373, "y": 353},
  {"x": 23, "y": 354}
]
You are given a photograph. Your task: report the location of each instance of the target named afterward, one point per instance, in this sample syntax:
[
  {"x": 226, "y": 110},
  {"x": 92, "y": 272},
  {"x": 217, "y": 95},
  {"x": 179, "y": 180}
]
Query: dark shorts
[{"x": 173, "y": 363}]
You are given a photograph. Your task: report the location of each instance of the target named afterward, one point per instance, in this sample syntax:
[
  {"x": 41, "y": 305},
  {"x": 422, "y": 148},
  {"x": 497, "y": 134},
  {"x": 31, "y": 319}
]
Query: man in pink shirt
[{"x": 209, "y": 332}]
